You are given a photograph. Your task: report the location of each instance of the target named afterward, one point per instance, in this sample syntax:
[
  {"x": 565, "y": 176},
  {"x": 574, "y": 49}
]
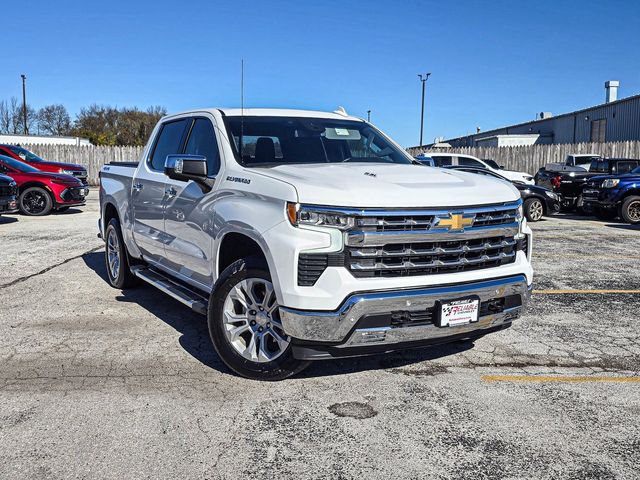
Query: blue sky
[{"x": 492, "y": 63}]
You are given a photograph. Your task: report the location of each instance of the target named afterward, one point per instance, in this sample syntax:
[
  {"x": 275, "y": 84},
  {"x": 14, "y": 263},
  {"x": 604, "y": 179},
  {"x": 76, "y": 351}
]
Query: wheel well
[
  {"x": 236, "y": 246},
  {"x": 110, "y": 211},
  {"x": 629, "y": 193},
  {"x": 24, "y": 186}
]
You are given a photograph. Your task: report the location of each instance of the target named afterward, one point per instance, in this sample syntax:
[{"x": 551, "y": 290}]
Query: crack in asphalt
[{"x": 49, "y": 268}]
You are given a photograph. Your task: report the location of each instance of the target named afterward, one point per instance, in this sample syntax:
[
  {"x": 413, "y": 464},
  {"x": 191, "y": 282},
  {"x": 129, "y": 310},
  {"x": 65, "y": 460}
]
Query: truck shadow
[
  {"x": 4, "y": 219},
  {"x": 194, "y": 334}
]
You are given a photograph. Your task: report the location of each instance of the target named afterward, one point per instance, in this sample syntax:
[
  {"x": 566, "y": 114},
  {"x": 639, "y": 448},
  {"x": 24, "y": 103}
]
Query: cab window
[
  {"x": 202, "y": 141},
  {"x": 469, "y": 162},
  {"x": 169, "y": 142}
]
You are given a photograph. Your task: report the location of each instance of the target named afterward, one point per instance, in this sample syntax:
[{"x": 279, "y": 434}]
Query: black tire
[
  {"x": 630, "y": 210},
  {"x": 120, "y": 276},
  {"x": 35, "y": 202},
  {"x": 534, "y": 209},
  {"x": 605, "y": 213},
  {"x": 284, "y": 366}
]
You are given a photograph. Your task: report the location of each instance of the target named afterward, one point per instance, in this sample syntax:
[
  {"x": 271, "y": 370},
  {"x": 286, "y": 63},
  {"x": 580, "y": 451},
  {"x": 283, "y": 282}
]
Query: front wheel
[
  {"x": 35, "y": 201},
  {"x": 630, "y": 210},
  {"x": 533, "y": 209},
  {"x": 245, "y": 326}
]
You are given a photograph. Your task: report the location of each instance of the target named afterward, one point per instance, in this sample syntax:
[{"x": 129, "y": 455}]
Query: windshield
[
  {"x": 25, "y": 154},
  {"x": 16, "y": 165},
  {"x": 272, "y": 141},
  {"x": 636, "y": 170},
  {"x": 491, "y": 163}
]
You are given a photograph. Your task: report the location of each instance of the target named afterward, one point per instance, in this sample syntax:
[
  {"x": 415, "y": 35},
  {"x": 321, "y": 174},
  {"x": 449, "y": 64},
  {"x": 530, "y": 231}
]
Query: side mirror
[
  {"x": 188, "y": 167},
  {"x": 501, "y": 167}
]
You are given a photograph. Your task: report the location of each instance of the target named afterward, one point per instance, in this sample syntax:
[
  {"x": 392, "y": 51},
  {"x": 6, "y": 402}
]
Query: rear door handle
[
  {"x": 137, "y": 187},
  {"x": 170, "y": 192}
]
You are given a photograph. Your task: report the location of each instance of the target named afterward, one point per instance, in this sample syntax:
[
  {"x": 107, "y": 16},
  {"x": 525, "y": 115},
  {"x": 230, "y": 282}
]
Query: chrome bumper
[{"x": 341, "y": 327}]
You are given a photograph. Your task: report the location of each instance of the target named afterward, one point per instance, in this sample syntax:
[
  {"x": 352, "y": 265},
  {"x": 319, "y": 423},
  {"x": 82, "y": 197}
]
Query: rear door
[
  {"x": 189, "y": 212},
  {"x": 148, "y": 191}
]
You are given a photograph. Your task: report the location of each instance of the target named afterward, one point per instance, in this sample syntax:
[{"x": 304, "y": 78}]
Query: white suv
[{"x": 446, "y": 159}]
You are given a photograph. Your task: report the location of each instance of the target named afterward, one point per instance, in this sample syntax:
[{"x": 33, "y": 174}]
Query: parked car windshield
[
  {"x": 272, "y": 141},
  {"x": 17, "y": 165},
  {"x": 636, "y": 170},
  {"x": 25, "y": 154},
  {"x": 491, "y": 163}
]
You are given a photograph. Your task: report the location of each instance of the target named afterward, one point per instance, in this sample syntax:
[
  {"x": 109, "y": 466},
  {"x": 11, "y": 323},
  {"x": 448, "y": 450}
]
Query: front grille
[
  {"x": 396, "y": 260},
  {"x": 392, "y": 222},
  {"x": 8, "y": 191}
]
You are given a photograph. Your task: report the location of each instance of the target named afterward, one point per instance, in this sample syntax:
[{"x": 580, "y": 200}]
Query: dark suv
[{"x": 8, "y": 192}]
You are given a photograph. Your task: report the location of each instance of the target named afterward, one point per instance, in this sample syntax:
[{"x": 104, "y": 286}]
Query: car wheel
[
  {"x": 116, "y": 258},
  {"x": 533, "y": 209},
  {"x": 35, "y": 201},
  {"x": 605, "y": 213},
  {"x": 630, "y": 210},
  {"x": 245, "y": 326}
]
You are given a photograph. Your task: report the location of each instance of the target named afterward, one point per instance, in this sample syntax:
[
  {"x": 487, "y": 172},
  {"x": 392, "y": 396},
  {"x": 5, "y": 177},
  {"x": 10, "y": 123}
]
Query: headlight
[
  {"x": 68, "y": 172},
  {"x": 317, "y": 216},
  {"x": 551, "y": 195},
  {"x": 610, "y": 183}
]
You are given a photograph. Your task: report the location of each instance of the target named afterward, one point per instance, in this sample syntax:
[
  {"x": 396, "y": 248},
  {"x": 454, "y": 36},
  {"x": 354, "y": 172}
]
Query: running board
[{"x": 183, "y": 294}]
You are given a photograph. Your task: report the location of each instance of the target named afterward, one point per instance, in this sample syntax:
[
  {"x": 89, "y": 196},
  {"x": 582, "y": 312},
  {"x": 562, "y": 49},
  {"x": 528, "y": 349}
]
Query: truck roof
[{"x": 273, "y": 112}]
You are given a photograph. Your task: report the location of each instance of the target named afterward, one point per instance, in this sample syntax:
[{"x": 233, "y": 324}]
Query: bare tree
[
  {"x": 5, "y": 117},
  {"x": 17, "y": 116},
  {"x": 54, "y": 120}
]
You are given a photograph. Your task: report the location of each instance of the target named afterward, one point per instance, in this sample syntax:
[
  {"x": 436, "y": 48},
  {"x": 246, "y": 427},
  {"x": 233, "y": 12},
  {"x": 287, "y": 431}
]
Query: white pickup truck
[{"x": 309, "y": 235}]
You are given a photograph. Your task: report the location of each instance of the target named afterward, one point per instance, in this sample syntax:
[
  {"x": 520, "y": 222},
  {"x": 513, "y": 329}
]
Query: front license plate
[{"x": 462, "y": 311}]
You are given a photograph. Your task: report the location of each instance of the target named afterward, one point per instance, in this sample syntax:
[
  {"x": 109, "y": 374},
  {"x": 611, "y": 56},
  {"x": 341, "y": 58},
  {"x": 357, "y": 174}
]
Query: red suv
[
  {"x": 40, "y": 192},
  {"x": 25, "y": 156}
]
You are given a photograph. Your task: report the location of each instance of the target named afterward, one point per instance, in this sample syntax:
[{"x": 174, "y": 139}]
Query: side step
[{"x": 183, "y": 294}]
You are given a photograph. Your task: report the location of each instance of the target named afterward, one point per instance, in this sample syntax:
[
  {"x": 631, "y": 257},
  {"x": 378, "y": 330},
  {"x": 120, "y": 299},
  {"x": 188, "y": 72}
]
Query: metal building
[{"x": 613, "y": 121}]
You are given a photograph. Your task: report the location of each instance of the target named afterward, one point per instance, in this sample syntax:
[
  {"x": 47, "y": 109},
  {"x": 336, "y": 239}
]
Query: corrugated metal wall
[{"x": 623, "y": 123}]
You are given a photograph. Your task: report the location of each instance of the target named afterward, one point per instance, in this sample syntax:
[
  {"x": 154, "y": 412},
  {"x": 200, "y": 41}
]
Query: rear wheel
[
  {"x": 630, "y": 210},
  {"x": 533, "y": 209},
  {"x": 35, "y": 201},
  {"x": 116, "y": 258},
  {"x": 245, "y": 326}
]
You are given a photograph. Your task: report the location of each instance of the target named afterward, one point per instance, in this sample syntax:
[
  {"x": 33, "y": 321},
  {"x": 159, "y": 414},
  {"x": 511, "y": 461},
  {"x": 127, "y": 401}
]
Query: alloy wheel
[
  {"x": 113, "y": 253},
  {"x": 536, "y": 211},
  {"x": 633, "y": 211},
  {"x": 251, "y": 321},
  {"x": 34, "y": 202}
]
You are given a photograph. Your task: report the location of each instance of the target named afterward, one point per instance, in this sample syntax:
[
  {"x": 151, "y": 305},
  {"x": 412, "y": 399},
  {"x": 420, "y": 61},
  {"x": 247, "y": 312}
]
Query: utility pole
[
  {"x": 24, "y": 104},
  {"x": 423, "y": 79},
  {"x": 369, "y": 116}
]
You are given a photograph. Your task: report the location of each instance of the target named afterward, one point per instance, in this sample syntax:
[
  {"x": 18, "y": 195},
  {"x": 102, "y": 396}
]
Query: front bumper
[
  {"x": 72, "y": 196},
  {"x": 8, "y": 205},
  {"x": 367, "y": 319},
  {"x": 602, "y": 197}
]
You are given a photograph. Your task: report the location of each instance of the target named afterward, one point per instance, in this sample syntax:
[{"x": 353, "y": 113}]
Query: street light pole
[
  {"x": 24, "y": 104},
  {"x": 423, "y": 79}
]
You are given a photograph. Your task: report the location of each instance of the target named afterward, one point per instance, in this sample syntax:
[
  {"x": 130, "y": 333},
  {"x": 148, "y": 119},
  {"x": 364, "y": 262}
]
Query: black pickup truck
[
  {"x": 569, "y": 185},
  {"x": 8, "y": 192}
]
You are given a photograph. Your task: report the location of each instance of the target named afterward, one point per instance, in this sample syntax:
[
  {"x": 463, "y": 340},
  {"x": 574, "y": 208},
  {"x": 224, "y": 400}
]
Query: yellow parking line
[
  {"x": 557, "y": 378},
  {"x": 578, "y": 291}
]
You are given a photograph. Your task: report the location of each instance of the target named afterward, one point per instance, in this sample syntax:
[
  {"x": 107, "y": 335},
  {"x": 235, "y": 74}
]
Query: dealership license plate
[{"x": 458, "y": 312}]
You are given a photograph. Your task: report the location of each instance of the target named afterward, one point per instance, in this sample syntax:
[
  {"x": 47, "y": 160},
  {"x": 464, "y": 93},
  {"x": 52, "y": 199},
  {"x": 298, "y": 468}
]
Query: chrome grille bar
[
  {"x": 412, "y": 251},
  {"x": 408, "y": 265}
]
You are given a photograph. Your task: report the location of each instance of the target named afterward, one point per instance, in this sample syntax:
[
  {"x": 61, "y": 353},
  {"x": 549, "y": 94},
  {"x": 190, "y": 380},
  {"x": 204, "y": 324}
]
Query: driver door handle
[
  {"x": 170, "y": 192},
  {"x": 137, "y": 187}
]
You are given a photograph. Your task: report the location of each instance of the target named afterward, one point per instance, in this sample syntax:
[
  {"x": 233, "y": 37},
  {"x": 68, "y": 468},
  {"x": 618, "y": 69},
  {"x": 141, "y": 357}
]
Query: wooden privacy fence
[
  {"x": 531, "y": 157},
  {"x": 526, "y": 158},
  {"x": 93, "y": 158}
]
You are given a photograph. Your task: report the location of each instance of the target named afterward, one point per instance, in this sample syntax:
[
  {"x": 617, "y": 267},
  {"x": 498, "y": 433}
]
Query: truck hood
[
  {"x": 390, "y": 186},
  {"x": 624, "y": 176}
]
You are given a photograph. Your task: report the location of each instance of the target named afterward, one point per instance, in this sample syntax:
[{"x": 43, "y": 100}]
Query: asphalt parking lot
[{"x": 98, "y": 383}]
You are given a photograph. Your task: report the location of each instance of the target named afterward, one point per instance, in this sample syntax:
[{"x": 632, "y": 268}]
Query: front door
[
  {"x": 148, "y": 191},
  {"x": 189, "y": 212}
]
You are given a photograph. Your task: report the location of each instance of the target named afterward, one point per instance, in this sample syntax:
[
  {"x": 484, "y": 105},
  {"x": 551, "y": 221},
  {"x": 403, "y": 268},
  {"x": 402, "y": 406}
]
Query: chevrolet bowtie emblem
[{"x": 456, "y": 221}]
